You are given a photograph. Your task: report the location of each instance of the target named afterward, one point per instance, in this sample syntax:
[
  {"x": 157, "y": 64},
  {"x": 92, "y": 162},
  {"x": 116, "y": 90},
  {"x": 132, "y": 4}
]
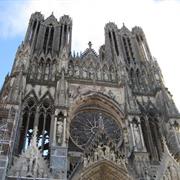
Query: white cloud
[{"x": 159, "y": 20}]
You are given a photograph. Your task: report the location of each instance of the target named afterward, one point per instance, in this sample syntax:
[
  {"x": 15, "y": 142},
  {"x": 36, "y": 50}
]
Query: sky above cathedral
[{"x": 158, "y": 18}]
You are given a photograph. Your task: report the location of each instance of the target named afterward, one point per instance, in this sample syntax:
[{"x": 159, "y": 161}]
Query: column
[
  {"x": 58, "y": 160},
  {"x": 132, "y": 131},
  {"x": 64, "y": 133},
  {"x": 142, "y": 139}
]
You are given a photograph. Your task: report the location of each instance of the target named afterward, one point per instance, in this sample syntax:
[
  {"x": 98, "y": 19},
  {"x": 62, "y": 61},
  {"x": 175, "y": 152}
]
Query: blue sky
[{"x": 158, "y": 18}]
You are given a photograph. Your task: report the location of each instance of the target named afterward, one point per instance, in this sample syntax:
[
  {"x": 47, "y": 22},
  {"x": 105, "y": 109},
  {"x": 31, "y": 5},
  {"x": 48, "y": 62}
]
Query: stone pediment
[
  {"x": 105, "y": 169},
  {"x": 125, "y": 30},
  {"x": 89, "y": 54}
]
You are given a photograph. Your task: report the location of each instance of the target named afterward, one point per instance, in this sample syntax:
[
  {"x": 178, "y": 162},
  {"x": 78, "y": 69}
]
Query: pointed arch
[
  {"x": 44, "y": 124},
  {"x": 27, "y": 123}
]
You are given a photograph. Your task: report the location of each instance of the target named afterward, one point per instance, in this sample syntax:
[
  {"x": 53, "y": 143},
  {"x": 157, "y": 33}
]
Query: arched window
[
  {"x": 44, "y": 121},
  {"x": 137, "y": 76},
  {"x": 45, "y": 39},
  {"x": 50, "y": 43},
  {"x": 152, "y": 137},
  {"x": 27, "y": 126},
  {"x": 132, "y": 75},
  {"x": 60, "y": 38},
  {"x": 36, "y": 116},
  {"x": 115, "y": 43},
  {"x": 65, "y": 36},
  {"x": 128, "y": 49}
]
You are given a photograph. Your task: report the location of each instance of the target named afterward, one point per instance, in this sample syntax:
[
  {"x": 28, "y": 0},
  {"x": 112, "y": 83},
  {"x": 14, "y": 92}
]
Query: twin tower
[{"x": 88, "y": 116}]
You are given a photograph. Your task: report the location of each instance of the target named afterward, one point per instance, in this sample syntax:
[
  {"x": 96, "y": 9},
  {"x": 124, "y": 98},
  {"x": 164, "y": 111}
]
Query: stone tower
[{"x": 89, "y": 116}]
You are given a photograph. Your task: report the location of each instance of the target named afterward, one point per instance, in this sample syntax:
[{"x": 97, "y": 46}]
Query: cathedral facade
[{"x": 88, "y": 116}]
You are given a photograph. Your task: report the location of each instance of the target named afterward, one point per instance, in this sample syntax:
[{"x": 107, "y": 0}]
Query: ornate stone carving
[
  {"x": 59, "y": 132},
  {"x": 30, "y": 163}
]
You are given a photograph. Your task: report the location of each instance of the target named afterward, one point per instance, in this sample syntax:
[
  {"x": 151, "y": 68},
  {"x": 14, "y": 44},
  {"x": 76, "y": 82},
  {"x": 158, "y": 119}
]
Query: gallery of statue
[{"x": 87, "y": 116}]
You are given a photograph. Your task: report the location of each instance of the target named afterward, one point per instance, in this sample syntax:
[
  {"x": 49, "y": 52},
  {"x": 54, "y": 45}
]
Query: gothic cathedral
[{"x": 87, "y": 116}]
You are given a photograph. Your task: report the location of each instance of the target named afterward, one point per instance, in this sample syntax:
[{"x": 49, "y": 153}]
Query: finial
[
  {"x": 52, "y": 13},
  {"x": 89, "y": 44},
  {"x": 123, "y": 24}
]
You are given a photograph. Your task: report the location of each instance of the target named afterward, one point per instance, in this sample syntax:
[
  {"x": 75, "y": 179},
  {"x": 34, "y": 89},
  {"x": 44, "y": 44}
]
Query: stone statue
[
  {"x": 84, "y": 72},
  {"x": 119, "y": 161},
  {"x": 100, "y": 152},
  {"x": 112, "y": 156},
  {"x": 76, "y": 70},
  {"x": 85, "y": 161},
  {"x": 137, "y": 136},
  {"x": 59, "y": 132},
  {"x": 107, "y": 152},
  {"x": 96, "y": 155}
]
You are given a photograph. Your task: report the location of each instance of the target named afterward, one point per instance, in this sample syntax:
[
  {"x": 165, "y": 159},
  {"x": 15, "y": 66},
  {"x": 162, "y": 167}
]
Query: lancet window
[
  {"x": 35, "y": 115},
  {"x": 143, "y": 46},
  {"x": 50, "y": 43},
  {"x": 128, "y": 49},
  {"x": 152, "y": 137}
]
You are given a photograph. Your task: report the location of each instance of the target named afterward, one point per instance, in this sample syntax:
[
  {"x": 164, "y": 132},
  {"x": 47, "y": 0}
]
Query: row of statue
[
  {"x": 103, "y": 152},
  {"x": 45, "y": 71},
  {"x": 48, "y": 72},
  {"x": 92, "y": 73}
]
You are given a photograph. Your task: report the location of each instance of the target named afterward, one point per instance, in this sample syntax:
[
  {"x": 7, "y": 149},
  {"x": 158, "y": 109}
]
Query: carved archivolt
[{"x": 104, "y": 170}]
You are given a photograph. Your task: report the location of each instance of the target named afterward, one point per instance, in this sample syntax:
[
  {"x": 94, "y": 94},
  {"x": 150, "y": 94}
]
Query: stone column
[
  {"x": 54, "y": 131},
  {"x": 58, "y": 163},
  {"x": 64, "y": 133},
  {"x": 142, "y": 139},
  {"x": 131, "y": 127}
]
